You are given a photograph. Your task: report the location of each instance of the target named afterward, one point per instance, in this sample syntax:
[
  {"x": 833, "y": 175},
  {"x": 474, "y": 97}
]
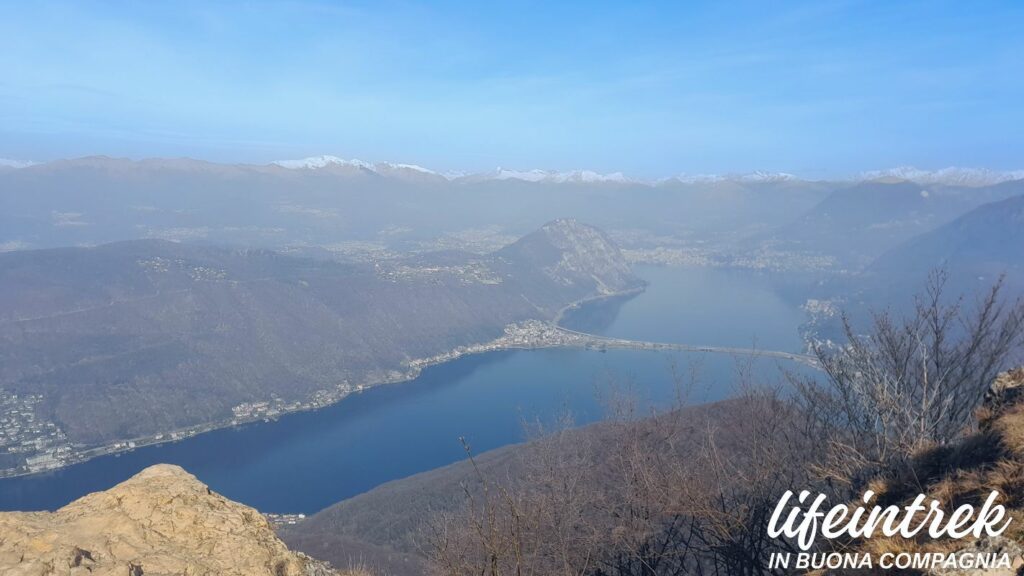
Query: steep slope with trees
[{"x": 142, "y": 337}]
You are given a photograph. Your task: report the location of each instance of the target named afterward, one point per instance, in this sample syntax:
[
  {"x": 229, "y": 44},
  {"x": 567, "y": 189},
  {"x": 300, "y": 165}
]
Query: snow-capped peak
[
  {"x": 315, "y": 162},
  {"x": 9, "y": 163},
  {"x": 758, "y": 176},
  {"x": 389, "y": 168},
  {"x": 577, "y": 176},
  {"x": 393, "y": 166},
  {"x": 952, "y": 176},
  {"x": 762, "y": 176},
  {"x": 535, "y": 175}
]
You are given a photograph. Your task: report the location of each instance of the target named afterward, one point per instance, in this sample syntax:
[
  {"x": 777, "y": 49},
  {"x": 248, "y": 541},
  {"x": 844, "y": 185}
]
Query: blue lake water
[
  {"x": 701, "y": 306},
  {"x": 306, "y": 461}
]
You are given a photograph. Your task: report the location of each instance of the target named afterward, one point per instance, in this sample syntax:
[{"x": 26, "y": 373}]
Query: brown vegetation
[
  {"x": 684, "y": 492},
  {"x": 964, "y": 471},
  {"x": 671, "y": 494},
  {"x": 909, "y": 383}
]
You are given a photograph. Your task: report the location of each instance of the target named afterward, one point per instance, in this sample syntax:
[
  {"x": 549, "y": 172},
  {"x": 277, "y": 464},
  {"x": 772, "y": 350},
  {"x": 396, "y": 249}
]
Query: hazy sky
[{"x": 652, "y": 89}]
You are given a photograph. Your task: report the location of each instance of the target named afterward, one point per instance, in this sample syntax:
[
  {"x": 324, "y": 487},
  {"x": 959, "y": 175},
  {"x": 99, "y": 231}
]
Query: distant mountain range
[
  {"x": 858, "y": 223},
  {"x": 976, "y": 249},
  {"x": 330, "y": 207},
  {"x": 949, "y": 176},
  {"x": 946, "y": 176},
  {"x": 98, "y": 200},
  {"x": 14, "y": 164}
]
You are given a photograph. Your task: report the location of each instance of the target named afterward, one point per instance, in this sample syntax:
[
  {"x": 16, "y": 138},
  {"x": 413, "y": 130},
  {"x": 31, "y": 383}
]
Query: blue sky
[{"x": 651, "y": 89}]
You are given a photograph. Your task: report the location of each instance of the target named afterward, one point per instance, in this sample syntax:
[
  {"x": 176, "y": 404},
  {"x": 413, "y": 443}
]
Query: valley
[
  {"x": 303, "y": 324},
  {"x": 338, "y": 288},
  {"x": 312, "y": 380},
  {"x": 486, "y": 394},
  {"x": 254, "y": 333}
]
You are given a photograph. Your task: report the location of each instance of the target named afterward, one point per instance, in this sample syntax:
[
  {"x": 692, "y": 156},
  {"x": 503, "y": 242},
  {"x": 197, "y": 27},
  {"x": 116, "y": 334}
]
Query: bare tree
[
  {"x": 908, "y": 383},
  {"x": 680, "y": 492},
  {"x": 533, "y": 523},
  {"x": 690, "y": 490}
]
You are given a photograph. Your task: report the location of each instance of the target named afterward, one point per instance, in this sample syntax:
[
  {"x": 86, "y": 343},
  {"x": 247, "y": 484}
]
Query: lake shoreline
[
  {"x": 413, "y": 371},
  {"x": 316, "y": 457}
]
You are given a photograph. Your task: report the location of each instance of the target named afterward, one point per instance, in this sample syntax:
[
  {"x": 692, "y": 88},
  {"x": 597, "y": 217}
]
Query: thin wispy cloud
[{"x": 654, "y": 89}]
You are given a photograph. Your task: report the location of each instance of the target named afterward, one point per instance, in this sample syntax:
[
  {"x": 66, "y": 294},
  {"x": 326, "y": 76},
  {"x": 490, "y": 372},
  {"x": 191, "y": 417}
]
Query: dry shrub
[
  {"x": 1007, "y": 476},
  {"x": 685, "y": 492},
  {"x": 691, "y": 492},
  {"x": 965, "y": 472},
  {"x": 909, "y": 384}
]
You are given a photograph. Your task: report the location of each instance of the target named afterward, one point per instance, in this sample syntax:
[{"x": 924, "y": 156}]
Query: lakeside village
[{"x": 30, "y": 444}]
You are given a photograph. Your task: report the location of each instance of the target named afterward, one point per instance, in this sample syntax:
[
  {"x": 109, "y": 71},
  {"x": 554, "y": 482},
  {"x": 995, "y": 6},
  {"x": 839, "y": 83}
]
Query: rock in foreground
[{"x": 162, "y": 521}]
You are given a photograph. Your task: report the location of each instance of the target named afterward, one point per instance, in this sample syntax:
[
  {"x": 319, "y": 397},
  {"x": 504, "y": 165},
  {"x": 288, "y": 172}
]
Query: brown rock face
[{"x": 162, "y": 521}]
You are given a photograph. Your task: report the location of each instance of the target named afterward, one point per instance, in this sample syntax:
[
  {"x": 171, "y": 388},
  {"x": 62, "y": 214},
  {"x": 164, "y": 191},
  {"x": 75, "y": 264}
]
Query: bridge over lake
[{"x": 576, "y": 338}]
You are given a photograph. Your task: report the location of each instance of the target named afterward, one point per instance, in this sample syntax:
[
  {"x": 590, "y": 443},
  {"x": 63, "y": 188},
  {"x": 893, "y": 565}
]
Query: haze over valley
[
  {"x": 350, "y": 210},
  {"x": 337, "y": 288},
  {"x": 205, "y": 295}
]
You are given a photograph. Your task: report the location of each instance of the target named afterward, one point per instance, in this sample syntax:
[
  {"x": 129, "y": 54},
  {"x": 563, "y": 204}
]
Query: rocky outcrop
[
  {"x": 162, "y": 521},
  {"x": 966, "y": 471},
  {"x": 1006, "y": 391},
  {"x": 986, "y": 546}
]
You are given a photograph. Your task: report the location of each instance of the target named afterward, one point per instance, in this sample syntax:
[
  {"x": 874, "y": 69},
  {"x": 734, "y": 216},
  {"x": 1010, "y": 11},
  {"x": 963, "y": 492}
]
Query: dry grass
[
  {"x": 1009, "y": 427},
  {"x": 965, "y": 472}
]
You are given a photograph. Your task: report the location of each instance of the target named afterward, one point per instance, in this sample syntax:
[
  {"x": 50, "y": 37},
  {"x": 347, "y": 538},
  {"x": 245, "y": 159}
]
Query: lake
[{"x": 306, "y": 461}]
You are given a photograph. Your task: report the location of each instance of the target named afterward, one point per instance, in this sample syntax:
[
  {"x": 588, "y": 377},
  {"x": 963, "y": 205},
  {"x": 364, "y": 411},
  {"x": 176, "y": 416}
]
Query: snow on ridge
[
  {"x": 953, "y": 175},
  {"x": 762, "y": 176},
  {"x": 413, "y": 167},
  {"x": 535, "y": 175},
  {"x": 950, "y": 176},
  {"x": 757, "y": 176},
  {"x": 576, "y": 176},
  {"x": 591, "y": 176},
  {"x": 317, "y": 162},
  {"x": 9, "y": 163}
]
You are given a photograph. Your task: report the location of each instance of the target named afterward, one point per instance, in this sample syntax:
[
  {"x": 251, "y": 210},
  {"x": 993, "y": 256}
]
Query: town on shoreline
[
  {"x": 50, "y": 449},
  {"x": 55, "y": 452}
]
